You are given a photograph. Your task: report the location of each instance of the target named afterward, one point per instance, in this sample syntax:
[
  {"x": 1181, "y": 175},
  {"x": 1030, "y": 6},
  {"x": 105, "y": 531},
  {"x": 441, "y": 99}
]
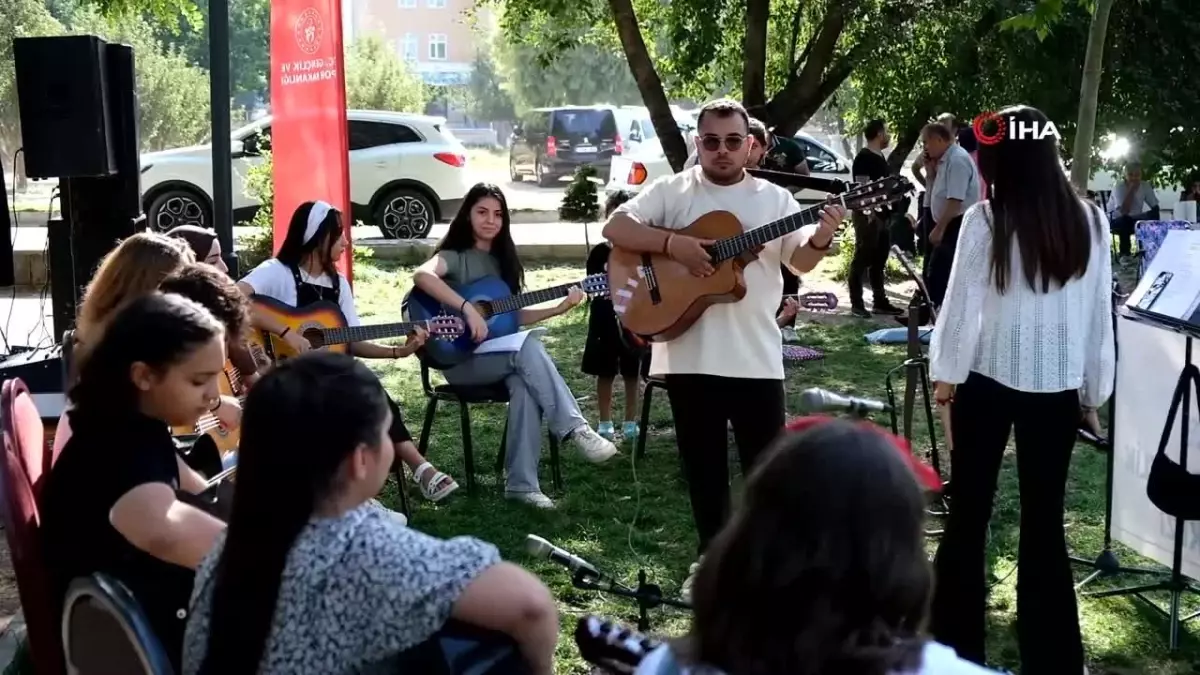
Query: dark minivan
[{"x": 550, "y": 143}]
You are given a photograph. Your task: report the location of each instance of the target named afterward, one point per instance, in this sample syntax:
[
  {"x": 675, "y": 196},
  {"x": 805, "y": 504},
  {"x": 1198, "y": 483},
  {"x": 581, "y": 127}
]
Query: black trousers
[
  {"x": 703, "y": 407},
  {"x": 939, "y": 262},
  {"x": 1123, "y": 227},
  {"x": 791, "y": 286},
  {"x": 872, "y": 242},
  {"x": 983, "y": 413}
]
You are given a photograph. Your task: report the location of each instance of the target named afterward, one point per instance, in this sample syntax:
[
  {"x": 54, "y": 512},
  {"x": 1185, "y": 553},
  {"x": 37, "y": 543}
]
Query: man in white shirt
[
  {"x": 1131, "y": 200},
  {"x": 727, "y": 369},
  {"x": 954, "y": 187}
]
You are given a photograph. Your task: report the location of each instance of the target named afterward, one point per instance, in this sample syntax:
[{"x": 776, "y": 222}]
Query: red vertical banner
[{"x": 308, "y": 105}]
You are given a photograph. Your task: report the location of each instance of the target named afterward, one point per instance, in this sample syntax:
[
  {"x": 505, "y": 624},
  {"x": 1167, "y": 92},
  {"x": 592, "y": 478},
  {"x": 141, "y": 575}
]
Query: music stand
[{"x": 1187, "y": 384}]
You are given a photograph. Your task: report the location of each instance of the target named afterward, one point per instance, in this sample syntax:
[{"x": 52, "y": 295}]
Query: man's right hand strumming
[{"x": 691, "y": 253}]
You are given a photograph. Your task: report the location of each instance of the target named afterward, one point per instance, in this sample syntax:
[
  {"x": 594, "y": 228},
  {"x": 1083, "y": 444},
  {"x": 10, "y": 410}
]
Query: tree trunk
[
  {"x": 907, "y": 139},
  {"x": 1089, "y": 91},
  {"x": 754, "y": 59},
  {"x": 806, "y": 90},
  {"x": 649, "y": 84}
]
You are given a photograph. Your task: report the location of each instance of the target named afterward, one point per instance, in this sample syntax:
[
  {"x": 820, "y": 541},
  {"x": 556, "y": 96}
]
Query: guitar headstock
[
  {"x": 445, "y": 327},
  {"x": 820, "y": 302},
  {"x": 876, "y": 195},
  {"x": 609, "y": 646},
  {"x": 595, "y": 286}
]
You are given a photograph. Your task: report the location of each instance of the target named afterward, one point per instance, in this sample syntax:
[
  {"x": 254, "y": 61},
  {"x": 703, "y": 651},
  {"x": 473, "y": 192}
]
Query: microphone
[
  {"x": 820, "y": 400},
  {"x": 540, "y": 548}
]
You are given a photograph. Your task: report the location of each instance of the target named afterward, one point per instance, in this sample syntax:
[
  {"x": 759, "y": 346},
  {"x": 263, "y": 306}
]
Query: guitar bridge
[{"x": 646, "y": 272}]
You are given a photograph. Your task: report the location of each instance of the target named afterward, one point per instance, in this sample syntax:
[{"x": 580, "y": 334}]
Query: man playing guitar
[{"x": 708, "y": 390}]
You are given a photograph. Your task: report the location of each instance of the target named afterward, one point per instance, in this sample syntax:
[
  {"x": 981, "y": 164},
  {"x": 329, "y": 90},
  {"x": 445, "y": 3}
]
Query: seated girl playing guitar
[
  {"x": 303, "y": 273},
  {"x": 479, "y": 244}
]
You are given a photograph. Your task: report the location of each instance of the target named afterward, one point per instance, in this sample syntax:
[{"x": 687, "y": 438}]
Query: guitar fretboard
[
  {"x": 379, "y": 331},
  {"x": 732, "y": 247},
  {"x": 522, "y": 300}
]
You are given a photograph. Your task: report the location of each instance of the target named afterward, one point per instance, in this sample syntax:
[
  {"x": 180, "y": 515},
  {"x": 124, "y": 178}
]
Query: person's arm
[
  {"x": 530, "y": 316},
  {"x": 957, "y": 331},
  {"x": 428, "y": 278},
  {"x": 507, "y": 599},
  {"x": 802, "y": 168},
  {"x": 1099, "y": 366},
  {"x": 629, "y": 227},
  {"x": 190, "y": 480},
  {"x": 153, "y": 519},
  {"x": 803, "y": 249},
  {"x": 918, "y": 170},
  {"x": 958, "y": 179}
]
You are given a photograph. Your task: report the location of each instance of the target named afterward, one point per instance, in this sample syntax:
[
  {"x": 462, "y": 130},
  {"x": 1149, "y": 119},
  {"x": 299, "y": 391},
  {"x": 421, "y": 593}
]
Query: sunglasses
[{"x": 713, "y": 143}]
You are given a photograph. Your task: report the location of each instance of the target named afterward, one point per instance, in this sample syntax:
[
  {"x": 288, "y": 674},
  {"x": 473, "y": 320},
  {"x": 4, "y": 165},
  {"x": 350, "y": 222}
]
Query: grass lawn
[{"x": 625, "y": 516}]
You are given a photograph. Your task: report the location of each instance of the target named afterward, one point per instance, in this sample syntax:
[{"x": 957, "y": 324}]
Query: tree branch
[{"x": 796, "y": 24}]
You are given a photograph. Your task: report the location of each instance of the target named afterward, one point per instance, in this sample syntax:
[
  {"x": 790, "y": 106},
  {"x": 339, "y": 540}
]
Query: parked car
[
  {"x": 633, "y": 172},
  {"x": 551, "y": 143},
  {"x": 643, "y": 137},
  {"x": 406, "y": 173}
]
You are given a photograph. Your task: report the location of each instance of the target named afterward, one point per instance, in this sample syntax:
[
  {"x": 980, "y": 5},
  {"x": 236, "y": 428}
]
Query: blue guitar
[{"x": 496, "y": 304}]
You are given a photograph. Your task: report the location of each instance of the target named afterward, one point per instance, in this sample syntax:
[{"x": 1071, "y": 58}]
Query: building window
[
  {"x": 406, "y": 4},
  {"x": 437, "y": 47},
  {"x": 437, "y": 4},
  {"x": 408, "y": 47}
]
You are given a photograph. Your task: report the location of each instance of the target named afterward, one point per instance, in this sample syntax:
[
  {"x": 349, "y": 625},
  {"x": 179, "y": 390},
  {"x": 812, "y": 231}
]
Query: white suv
[{"x": 406, "y": 173}]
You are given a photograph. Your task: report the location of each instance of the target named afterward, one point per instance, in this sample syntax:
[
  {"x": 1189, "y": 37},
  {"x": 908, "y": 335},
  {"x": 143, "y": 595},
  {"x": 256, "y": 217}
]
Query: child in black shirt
[{"x": 608, "y": 351}]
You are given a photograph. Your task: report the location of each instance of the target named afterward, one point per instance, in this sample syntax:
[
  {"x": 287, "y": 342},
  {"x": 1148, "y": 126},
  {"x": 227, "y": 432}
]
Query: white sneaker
[
  {"x": 685, "y": 591},
  {"x": 399, "y": 518},
  {"x": 594, "y": 447},
  {"x": 535, "y": 499}
]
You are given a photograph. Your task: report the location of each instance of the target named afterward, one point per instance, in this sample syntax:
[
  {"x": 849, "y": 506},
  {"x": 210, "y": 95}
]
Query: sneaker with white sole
[
  {"x": 535, "y": 499},
  {"x": 594, "y": 447}
]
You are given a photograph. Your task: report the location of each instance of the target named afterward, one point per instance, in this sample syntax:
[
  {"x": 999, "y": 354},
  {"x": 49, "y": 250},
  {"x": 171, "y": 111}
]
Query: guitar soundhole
[
  {"x": 484, "y": 307},
  {"x": 314, "y": 336}
]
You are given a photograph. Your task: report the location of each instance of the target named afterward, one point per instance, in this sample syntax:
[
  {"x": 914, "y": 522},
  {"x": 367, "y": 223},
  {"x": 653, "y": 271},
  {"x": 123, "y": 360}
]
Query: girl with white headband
[{"x": 302, "y": 273}]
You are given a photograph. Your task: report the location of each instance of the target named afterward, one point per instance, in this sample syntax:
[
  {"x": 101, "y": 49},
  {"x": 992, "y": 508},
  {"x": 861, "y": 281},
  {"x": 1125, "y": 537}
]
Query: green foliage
[
  {"x": 581, "y": 75},
  {"x": 489, "y": 100},
  {"x": 26, "y": 18},
  {"x": 581, "y": 204},
  {"x": 173, "y": 94},
  {"x": 893, "y": 272},
  {"x": 249, "y": 46},
  {"x": 259, "y": 244},
  {"x": 377, "y": 79}
]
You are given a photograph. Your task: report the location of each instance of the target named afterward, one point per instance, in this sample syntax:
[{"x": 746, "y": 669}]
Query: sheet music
[
  {"x": 508, "y": 343},
  {"x": 1179, "y": 298}
]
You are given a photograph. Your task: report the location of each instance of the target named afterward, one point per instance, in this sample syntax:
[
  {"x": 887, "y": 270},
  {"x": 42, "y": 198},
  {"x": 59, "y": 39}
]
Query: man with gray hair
[
  {"x": 1131, "y": 200},
  {"x": 953, "y": 181}
]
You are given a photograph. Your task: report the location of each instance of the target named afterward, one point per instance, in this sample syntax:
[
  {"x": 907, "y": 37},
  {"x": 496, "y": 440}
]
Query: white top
[
  {"x": 1023, "y": 339},
  {"x": 936, "y": 659},
  {"x": 274, "y": 280},
  {"x": 746, "y": 328}
]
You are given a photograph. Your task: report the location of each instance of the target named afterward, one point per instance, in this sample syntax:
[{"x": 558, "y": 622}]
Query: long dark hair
[
  {"x": 285, "y": 469},
  {"x": 294, "y": 249},
  {"x": 156, "y": 329},
  {"x": 461, "y": 236},
  {"x": 830, "y": 537},
  {"x": 1033, "y": 202}
]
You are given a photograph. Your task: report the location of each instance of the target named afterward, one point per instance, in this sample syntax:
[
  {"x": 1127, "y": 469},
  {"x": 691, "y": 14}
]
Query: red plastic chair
[{"x": 25, "y": 454}]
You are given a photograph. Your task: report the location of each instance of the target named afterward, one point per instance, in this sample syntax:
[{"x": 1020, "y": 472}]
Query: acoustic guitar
[
  {"x": 660, "y": 299},
  {"x": 324, "y": 326},
  {"x": 498, "y": 306},
  {"x": 225, "y": 439}
]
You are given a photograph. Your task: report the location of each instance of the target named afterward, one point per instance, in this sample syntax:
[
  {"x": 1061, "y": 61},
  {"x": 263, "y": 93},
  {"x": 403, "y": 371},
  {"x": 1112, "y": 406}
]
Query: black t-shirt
[
  {"x": 597, "y": 263},
  {"x": 872, "y": 165},
  {"x": 103, "y": 460}
]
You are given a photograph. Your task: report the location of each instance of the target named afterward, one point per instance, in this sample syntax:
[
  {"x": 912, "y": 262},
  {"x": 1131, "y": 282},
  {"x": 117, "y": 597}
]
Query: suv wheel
[
  {"x": 404, "y": 213},
  {"x": 513, "y": 174},
  {"x": 543, "y": 180},
  {"x": 177, "y": 207}
]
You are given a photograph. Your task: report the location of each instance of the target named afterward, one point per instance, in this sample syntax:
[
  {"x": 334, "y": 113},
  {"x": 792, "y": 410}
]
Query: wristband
[
  {"x": 814, "y": 247},
  {"x": 463, "y": 307},
  {"x": 285, "y": 331},
  {"x": 394, "y": 352}
]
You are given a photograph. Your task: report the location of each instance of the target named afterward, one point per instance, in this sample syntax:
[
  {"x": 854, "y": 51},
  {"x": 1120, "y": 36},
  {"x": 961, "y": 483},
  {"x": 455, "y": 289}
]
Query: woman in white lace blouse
[{"x": 1023, "y": 344}]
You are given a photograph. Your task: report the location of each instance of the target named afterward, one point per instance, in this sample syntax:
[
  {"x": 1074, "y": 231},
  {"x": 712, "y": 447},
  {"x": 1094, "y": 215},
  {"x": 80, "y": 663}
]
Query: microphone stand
[{"x": 647, "y": 595}]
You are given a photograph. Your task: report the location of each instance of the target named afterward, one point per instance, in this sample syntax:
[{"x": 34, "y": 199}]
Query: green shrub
[{"x": 893, "y": 273}]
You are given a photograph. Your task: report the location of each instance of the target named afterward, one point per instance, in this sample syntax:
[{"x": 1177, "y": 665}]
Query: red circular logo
[
  {"x": 997, "y": 135},
  {"x": 308, "y": 30}
]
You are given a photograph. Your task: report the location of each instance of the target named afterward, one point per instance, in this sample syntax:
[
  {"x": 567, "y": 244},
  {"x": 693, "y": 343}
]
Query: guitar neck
[
  {"x": 522, "y": 300},
  {"x": 732, "y": 247},
  {"x": 379, "y": 331}
]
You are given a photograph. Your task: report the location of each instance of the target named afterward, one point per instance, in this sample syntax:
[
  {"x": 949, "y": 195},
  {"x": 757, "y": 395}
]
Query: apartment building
[{"x": 435, "y": 36}]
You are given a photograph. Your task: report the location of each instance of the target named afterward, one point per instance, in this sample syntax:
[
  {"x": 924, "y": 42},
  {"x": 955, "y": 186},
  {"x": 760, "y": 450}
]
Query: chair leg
[
  {"x": 555, "y": 462},
  {"x": 427, "y": 426},
  {"x": 644, "y": 424},
  {"x": 398, "y": 470},
  {"x": 464, "y": 417},
  {"x": 501, "y": 455}
]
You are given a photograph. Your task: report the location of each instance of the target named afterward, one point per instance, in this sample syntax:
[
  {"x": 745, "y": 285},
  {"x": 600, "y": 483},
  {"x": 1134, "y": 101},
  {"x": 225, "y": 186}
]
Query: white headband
[{"x": 315, "y": 217}]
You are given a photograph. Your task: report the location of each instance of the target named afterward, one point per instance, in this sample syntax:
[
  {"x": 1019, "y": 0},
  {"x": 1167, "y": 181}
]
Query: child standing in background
[{"x": 606, "y": 354}]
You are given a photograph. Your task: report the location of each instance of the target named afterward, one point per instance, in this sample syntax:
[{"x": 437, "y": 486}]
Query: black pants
[
  {"x": 399, "y": 432},
  {"x": 872, "y": 241},
  {"x": 1123, "y": 227},
  {"x": 939, "y": 262},
  {"x": 791, "y": 286},
  {"x": 983, "y": 413},
  {"x": 703, "y": 407}
]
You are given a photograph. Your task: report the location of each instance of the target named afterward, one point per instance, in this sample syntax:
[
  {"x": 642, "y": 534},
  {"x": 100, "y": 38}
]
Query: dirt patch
[{"x": 10, "y": 602}]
